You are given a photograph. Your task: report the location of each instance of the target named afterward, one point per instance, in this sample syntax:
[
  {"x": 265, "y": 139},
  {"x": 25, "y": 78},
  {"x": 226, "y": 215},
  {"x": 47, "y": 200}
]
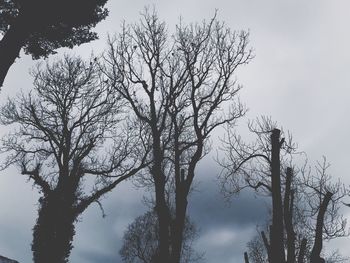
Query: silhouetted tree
[
  {"x": 71, "y": 129},
  {"x": 301, "y": 215},
  {"x": 323, "y": 197},
  {"x": 182, "y": 88},
  {"x": 256, "y": 251},
  {"x": 258, "y": 165},
  {"x": 141, "y": 240},
  {"x": 41, "y": 26}
]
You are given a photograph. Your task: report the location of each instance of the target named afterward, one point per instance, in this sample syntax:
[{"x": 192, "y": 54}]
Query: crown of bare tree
[
  {"x": 70, "y": 133},
  {"x": 305, "y": 203},
  {"x": 182, "y": 88}
]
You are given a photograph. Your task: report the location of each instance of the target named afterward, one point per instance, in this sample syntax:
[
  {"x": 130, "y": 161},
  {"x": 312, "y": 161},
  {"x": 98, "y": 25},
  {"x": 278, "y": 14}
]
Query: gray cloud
[
  {"x": 225, "y": 225},
  {"x": 299, "y": 77}
]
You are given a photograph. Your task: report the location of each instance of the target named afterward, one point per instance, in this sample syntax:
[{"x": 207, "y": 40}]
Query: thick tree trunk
[
  {"x": 246, "y": 259},
  {"x": 54, "y": 230},
  {"x": 162, "y": 209},
  {"x": 277, "y": 242},
  {"x": 163, "y": 215},
  {"x": 177, "y": 240},
  {"x": 183, "y": 185},
  {"x": 317, "y": 248},
  {"x": 288, "y": 217},
  {"x": 180, "y": 218},
  {"x": 11, "y": 45}
]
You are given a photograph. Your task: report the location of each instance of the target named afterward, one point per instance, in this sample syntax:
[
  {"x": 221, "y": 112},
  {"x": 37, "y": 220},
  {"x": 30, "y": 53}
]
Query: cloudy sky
[{"x": 299, "y": 76}]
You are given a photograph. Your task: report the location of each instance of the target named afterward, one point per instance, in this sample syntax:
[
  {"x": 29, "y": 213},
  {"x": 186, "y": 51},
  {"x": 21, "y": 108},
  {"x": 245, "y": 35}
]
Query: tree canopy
[
  {"x": 42, "y": 26},
  {"x": 72, "y": 138}
]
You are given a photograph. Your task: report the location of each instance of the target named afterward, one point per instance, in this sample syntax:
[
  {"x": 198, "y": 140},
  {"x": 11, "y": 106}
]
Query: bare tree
[
  {"x": 256, "y": 251},
  {"x": 141, "y": 240},
  {"x": 181, "y": 87},
  {"x": 258, "y": 166},
  {"x": 323, "y": 197},
  {"x": 72, "y": 129},
  {"x": 305, "y": 209}
]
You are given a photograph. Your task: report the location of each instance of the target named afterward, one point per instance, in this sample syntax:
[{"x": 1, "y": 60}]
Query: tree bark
[
  {"x": 180, "y": 216},
  {"x": 288, "y": 217},
  {"x": 246, "y": 259},
  {"x": 177, "y": 233},
  {"x": 11, "y": 45},
  {"x": 54, "y": 229},
  {"x": 162, "y": 209},
  {"x": 317, "y": 248},
  {"x": 182, "y": 190},
  {"x": 163, "y": 221},
  {"x": 277, "y": 242}
]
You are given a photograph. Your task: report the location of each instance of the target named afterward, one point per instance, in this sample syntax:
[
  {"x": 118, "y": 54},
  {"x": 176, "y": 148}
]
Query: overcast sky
[{"x": 299, "y": 77}]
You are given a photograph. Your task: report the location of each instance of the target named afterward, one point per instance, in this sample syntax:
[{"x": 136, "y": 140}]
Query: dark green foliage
[
  {"x": 8, "y": 13},
  {"x": 42, "y": 26},
  {"x": 52, "y": 24}
]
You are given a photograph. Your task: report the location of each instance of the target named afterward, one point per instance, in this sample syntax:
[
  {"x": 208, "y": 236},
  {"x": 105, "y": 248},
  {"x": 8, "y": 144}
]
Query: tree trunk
[
  {"x": 162, "y": 209},
  {"x": 266, "y": 244},
  {"x": 54, "y": 229},
  {"x": 177, "y": 240},
  {"x": 11, "y": 45},
  {"x": 277, "y": 242},
  {"x": 317, "y": 248},
  {"x": 288, "y": 217},
  {"x": 246, "y": 259},
  {"x": 163, "y": 222},
  {"x": 180, "y": 218}
]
